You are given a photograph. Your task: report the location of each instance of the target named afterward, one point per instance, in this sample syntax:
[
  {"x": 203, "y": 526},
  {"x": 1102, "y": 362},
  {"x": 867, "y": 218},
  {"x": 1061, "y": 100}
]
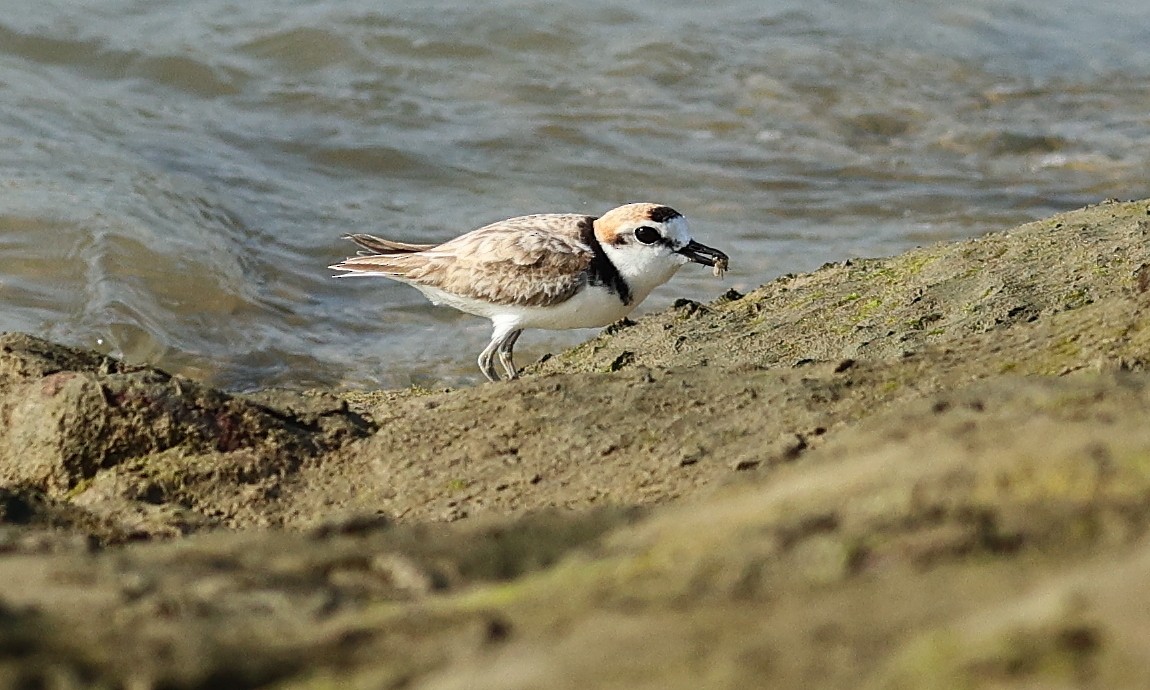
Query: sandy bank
[{"x": 932, "y": 469}]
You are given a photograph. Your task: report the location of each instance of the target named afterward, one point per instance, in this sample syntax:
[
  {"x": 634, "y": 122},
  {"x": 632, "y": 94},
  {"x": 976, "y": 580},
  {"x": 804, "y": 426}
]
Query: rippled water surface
[{"x": 175, "y": 176}]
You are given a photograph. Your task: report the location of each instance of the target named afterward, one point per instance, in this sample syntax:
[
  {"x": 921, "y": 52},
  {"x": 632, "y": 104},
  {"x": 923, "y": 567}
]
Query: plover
[{"x": 552, "y": 270}]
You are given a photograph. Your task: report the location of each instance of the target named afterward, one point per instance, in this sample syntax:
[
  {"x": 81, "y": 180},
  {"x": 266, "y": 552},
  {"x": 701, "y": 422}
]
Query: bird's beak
[{"x": 702, "y": 254}]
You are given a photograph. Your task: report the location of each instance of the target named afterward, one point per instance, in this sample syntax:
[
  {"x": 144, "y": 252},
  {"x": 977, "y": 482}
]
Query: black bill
[{"x": 702, "y": 254}]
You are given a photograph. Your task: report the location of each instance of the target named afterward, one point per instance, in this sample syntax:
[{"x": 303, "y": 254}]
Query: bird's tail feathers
[{"x": 378, "y": 245}]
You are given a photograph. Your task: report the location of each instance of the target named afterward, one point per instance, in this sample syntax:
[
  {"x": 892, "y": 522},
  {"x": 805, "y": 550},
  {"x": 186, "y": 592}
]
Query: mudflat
[{"x": 930, "y": 470}]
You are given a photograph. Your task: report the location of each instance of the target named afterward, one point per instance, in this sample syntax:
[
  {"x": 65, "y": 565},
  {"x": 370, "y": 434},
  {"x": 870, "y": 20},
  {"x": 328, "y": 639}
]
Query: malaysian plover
[{"x": 552, "y": 270}]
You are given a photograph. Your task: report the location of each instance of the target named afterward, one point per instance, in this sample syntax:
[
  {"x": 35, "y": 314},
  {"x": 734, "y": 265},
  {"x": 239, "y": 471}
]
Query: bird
[{"x": 549, "y": 270}]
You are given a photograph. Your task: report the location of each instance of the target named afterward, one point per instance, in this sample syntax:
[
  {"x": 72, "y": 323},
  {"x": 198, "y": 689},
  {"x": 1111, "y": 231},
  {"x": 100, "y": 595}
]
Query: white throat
[{"x": 643, "y": 267}]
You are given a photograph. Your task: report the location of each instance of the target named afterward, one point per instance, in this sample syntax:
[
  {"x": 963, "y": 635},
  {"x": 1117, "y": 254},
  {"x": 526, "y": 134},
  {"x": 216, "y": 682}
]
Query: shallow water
[{"x": 174, "y": 176}]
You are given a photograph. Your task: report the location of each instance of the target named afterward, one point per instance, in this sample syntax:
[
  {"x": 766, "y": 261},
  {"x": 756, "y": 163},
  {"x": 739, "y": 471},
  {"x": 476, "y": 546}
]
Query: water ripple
[{"x": 174, "y": 176}]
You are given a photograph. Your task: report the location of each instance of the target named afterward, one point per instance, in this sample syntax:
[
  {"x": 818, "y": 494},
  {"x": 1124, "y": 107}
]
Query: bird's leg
[
  {"x": 505, "y": 353},
  {"x": 499, "y": 340},
  {"x": 486, "y": 363}
]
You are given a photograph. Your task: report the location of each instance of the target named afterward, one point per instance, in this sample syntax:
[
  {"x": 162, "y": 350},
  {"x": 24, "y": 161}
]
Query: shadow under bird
[{"x": 552, "y": 270}]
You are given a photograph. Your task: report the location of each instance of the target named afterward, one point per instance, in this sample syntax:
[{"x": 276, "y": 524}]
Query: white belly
[{"x": 591, "y": 307}]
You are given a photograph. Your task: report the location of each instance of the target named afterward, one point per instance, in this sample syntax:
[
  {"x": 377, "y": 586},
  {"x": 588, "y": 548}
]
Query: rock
[{"x": 950, "y": 491}]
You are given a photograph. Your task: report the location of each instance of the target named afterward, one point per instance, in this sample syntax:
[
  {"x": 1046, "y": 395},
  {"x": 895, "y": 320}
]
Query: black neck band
[{"x": 602, "y": 271}]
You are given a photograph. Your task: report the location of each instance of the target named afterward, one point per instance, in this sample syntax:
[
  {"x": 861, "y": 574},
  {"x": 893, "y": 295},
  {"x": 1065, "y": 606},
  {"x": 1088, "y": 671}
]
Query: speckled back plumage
[{"x": 535, "y": 260}]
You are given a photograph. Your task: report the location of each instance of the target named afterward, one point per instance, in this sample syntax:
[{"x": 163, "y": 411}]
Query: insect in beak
[{"x": 708, "y": 256}]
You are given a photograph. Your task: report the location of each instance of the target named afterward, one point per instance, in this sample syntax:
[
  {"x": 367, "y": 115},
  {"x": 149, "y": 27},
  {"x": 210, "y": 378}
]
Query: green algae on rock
[{"x": 931, "y": 470}]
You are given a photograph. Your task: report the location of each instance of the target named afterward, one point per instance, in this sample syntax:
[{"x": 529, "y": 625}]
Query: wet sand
[{"x": 931, "y": 470}]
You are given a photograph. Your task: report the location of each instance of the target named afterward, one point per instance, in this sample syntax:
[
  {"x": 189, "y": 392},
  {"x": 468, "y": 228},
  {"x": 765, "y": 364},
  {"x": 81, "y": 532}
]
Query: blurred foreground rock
[{"x": 925, "y": 471}]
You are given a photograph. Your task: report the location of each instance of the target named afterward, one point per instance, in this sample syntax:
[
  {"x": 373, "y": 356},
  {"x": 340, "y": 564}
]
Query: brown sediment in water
[{"x": 928, "y": 470}]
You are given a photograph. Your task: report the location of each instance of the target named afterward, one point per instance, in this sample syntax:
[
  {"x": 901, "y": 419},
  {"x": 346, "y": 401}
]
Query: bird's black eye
[{"x": 647, "y": 234}]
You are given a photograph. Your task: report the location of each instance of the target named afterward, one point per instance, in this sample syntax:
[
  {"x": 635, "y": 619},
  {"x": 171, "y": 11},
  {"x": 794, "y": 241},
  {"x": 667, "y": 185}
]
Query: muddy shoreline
[{"x": 926, "y": 470}]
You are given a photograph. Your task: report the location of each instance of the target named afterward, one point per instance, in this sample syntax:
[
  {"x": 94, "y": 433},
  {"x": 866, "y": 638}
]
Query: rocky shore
[{"x": 931, "y": 470}]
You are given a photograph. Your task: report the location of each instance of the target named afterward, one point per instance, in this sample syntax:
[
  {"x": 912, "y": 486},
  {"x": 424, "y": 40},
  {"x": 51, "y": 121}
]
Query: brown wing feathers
[{"x": 531, "y": 261}]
